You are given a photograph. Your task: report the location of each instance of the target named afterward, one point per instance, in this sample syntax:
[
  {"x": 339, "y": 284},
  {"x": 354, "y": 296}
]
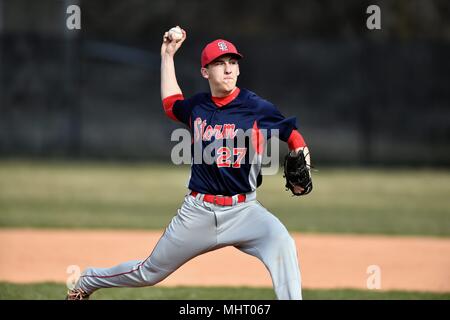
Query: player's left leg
[{"x": 254, "y": 230}]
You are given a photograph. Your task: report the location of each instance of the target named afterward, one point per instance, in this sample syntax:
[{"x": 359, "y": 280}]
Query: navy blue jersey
[{"x": 232, "y": 172}]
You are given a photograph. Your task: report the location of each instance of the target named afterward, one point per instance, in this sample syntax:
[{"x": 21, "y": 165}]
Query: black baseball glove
[{"x": 297, "y": 173}]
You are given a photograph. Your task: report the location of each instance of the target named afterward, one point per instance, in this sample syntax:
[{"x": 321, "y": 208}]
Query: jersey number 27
[{"x": 224, "y": 155}]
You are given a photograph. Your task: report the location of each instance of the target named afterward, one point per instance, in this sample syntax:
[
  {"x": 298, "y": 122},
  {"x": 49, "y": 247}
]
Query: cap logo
[{"x": 222, "y": 46}]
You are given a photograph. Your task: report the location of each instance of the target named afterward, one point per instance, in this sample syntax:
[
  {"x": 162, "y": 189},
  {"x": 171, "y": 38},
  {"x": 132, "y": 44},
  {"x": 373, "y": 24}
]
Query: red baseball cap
[{"x": 218, "y": 48}]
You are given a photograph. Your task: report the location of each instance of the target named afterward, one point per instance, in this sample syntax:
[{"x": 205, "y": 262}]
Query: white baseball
[{"x": 175, "y": 33}]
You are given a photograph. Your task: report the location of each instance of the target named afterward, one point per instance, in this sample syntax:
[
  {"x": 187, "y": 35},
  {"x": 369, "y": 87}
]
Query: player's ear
[{"x": 204, "y": 73}]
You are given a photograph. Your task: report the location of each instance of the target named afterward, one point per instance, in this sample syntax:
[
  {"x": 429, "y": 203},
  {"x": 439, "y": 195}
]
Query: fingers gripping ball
[
  {"x": 175, "y": 33},
  {"x": 297, "y": 173}
]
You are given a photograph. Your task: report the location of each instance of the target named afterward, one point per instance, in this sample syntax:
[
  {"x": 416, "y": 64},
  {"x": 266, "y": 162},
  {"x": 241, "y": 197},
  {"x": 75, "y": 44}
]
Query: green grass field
[
  {"x": 127, "y": 196},
  {"x": 53, "y": 291}
]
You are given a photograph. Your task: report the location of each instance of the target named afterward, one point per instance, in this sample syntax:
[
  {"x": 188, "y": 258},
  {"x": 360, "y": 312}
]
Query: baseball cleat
[{"x": 77, "y": 294}]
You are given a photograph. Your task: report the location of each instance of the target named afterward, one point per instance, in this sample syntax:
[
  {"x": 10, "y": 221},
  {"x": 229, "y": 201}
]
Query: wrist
[{"x": 166, "y": 56}]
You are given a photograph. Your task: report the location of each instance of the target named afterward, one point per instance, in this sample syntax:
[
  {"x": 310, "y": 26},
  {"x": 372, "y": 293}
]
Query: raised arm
[{"x": 169, "y": 84}]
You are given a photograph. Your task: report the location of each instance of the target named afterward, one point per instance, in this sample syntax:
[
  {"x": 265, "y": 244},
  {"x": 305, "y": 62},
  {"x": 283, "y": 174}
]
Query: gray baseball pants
[{"x": 200, "y": 227}]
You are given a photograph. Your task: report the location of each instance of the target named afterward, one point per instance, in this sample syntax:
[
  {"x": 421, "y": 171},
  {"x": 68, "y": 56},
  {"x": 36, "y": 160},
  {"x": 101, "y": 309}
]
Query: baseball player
[{"x": 220, "y": 208}]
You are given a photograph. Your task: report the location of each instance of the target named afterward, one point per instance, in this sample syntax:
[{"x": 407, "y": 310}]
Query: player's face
[{"x": 222, "y": 75}]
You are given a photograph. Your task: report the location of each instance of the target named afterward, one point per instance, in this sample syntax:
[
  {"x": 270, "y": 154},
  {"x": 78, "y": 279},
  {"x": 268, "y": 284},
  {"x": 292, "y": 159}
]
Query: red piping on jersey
[
  {"x": 168, "y": 103},
  {"x": 295, "y": 140},
  {"x": 257, "y": 139},
  {"x": 220, "y": 102}
]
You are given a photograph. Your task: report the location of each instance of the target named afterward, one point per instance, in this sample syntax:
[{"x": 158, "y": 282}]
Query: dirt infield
[{"x": 327, "y": 261}]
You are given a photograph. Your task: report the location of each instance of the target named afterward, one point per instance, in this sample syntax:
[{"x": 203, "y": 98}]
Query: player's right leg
[
  {"x": 190, "y": 233},
  {"x": 252, "y": 229}
]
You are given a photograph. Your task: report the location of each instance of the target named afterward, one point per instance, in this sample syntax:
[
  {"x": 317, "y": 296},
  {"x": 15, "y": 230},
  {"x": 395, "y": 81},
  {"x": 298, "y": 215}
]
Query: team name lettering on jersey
[{"x": 206, "y": 132}]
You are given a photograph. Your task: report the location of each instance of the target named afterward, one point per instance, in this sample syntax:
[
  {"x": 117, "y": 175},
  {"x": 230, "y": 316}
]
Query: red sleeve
[
  {"x": 295, "y": 140},
  {"x": 168, "y": 103}
]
